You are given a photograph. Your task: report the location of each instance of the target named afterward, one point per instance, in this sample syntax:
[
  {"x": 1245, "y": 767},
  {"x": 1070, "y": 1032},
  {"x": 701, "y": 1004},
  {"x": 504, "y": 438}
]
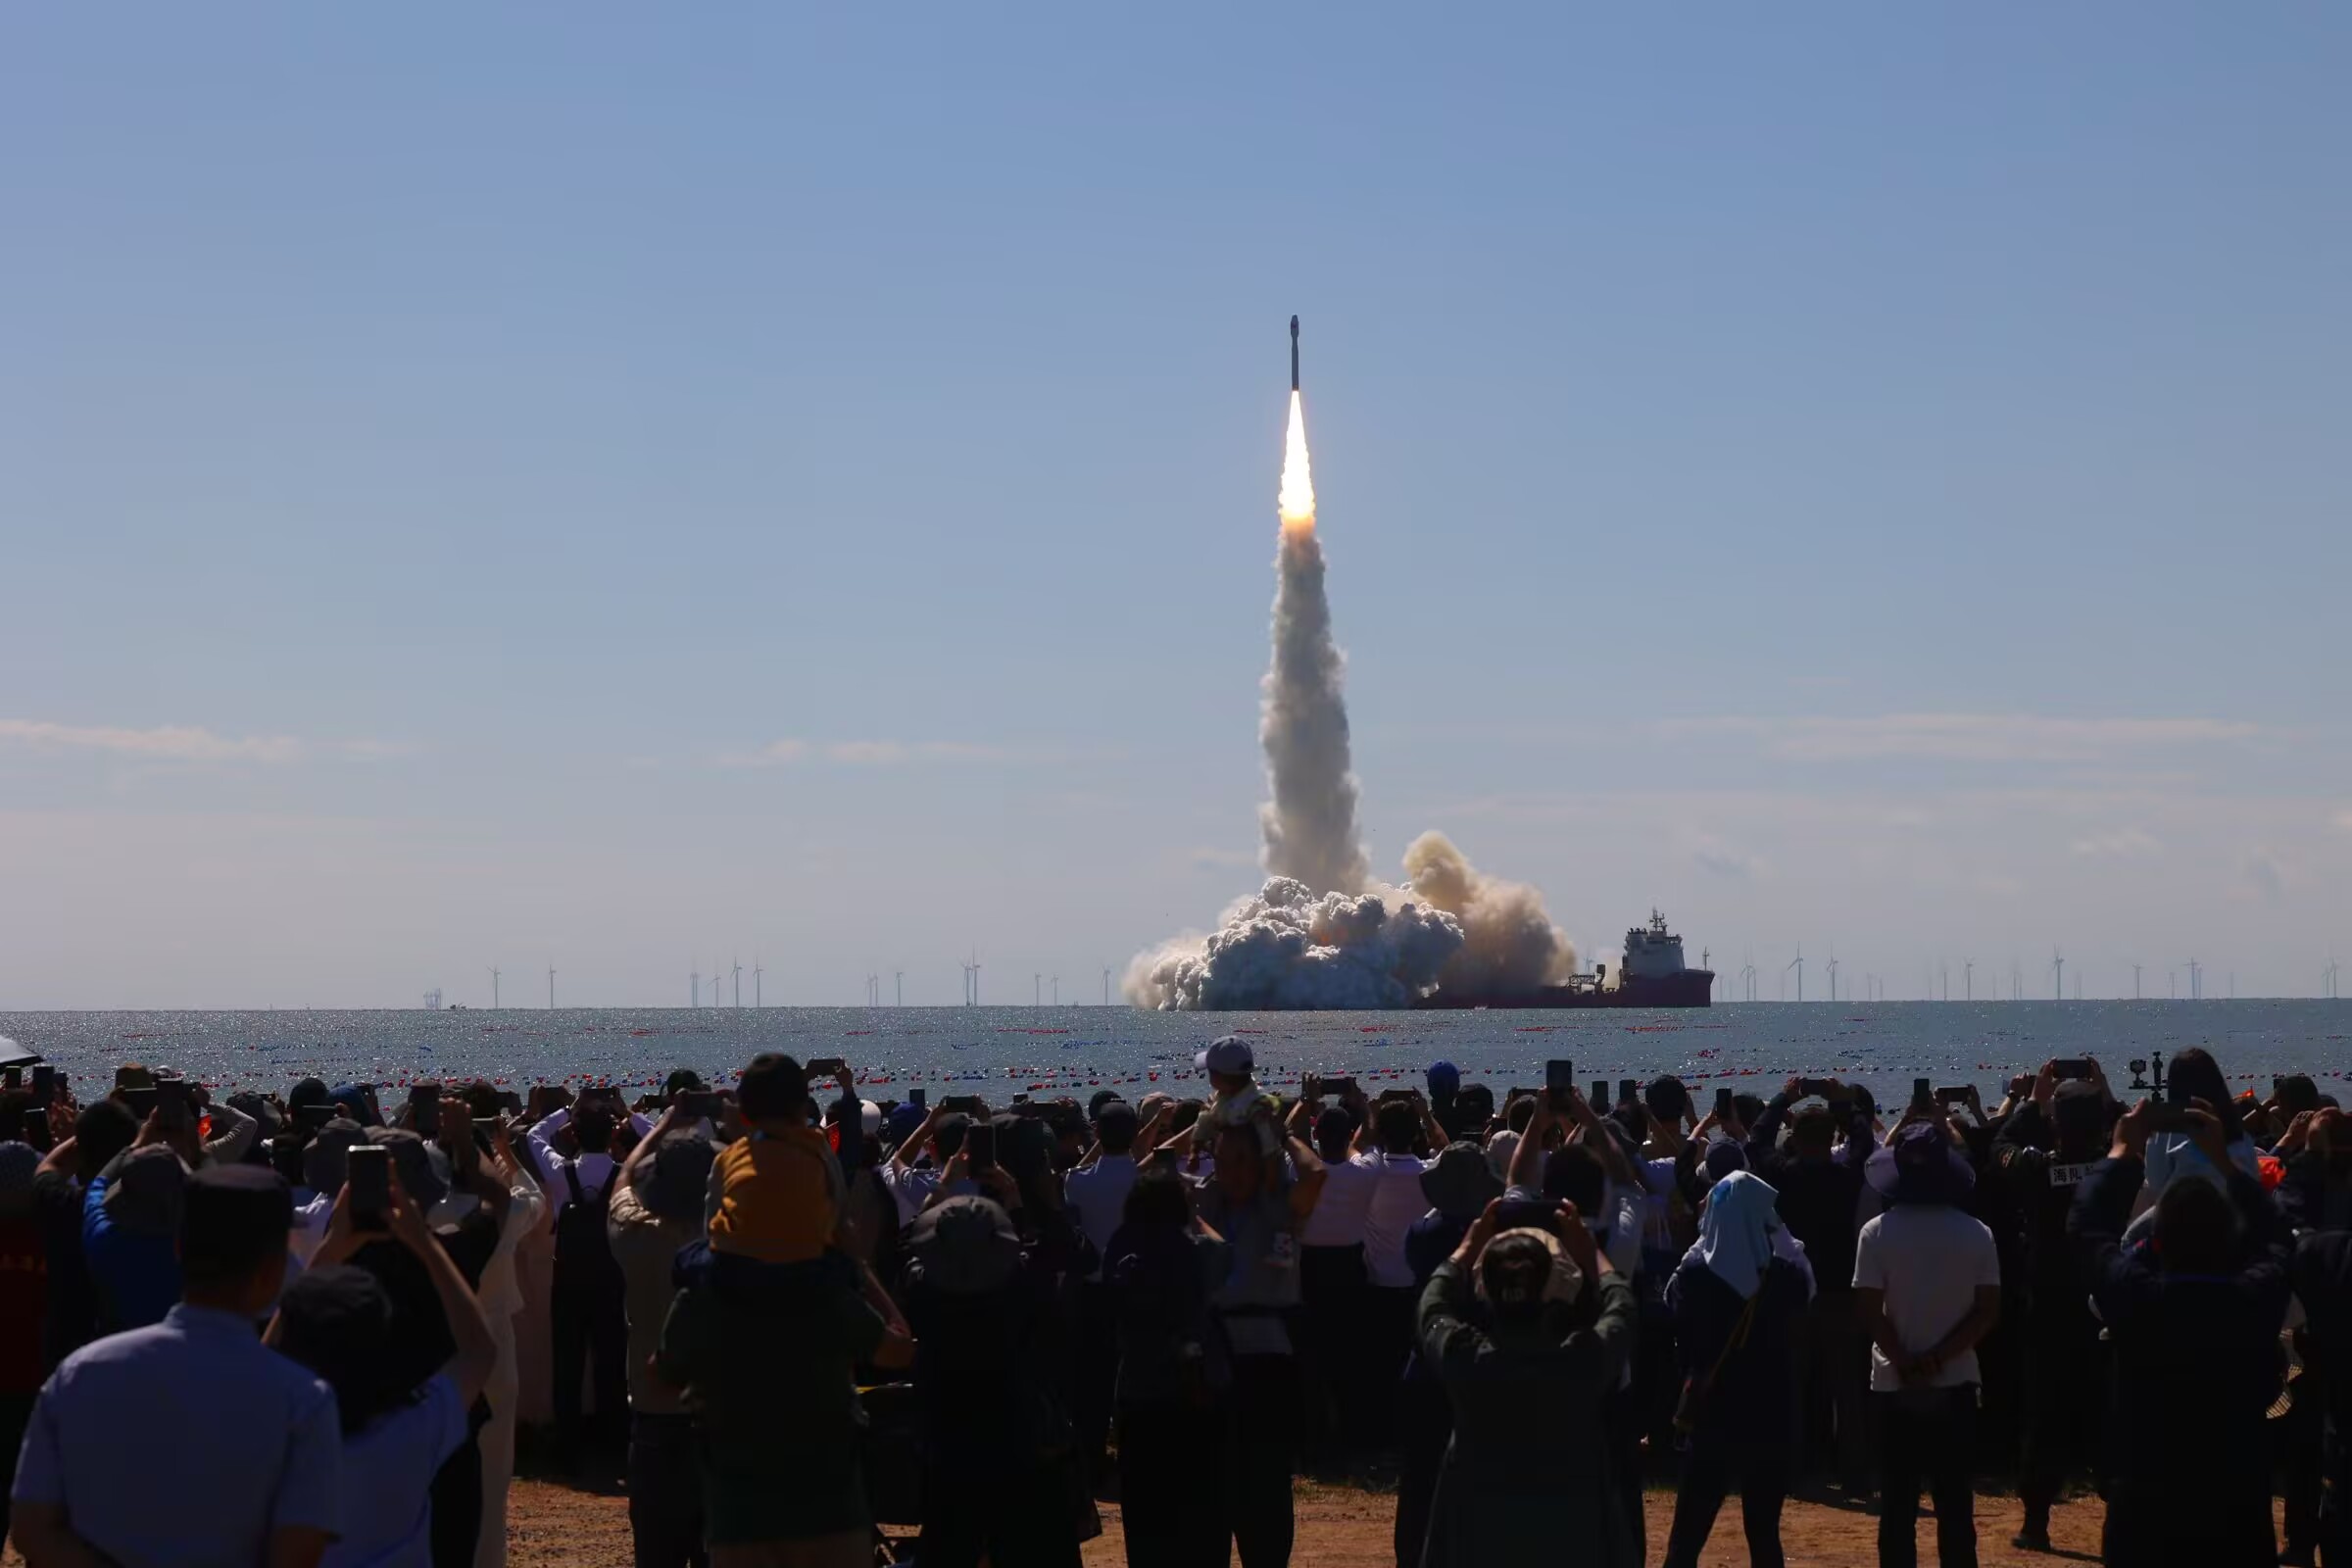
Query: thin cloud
[
  {"x": 2124, "y": 843},
  {"x": 793, "y": 752},
  {"x": 165, "y": 743},
  {"x": 1964, "y": 737},
  {"x": 2262, "y": 876},
  {"x": 1710, "y": 854}
]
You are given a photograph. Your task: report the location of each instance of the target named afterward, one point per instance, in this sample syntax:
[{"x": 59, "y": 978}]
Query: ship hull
[{"x": 1692, "y": 988}]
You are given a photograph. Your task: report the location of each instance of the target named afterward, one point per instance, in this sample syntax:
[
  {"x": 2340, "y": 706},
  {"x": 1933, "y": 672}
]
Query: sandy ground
[{"x": 1342, "y": 1527}]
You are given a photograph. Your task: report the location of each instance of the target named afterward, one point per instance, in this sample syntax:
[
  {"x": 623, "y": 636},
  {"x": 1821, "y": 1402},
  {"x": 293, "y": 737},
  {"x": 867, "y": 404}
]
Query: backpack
[{"x": 584, "y": 1259}]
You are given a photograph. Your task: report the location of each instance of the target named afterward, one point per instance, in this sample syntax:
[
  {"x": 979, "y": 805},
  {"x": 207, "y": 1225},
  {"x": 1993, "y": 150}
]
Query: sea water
[{"x": 998, "y": 1051}]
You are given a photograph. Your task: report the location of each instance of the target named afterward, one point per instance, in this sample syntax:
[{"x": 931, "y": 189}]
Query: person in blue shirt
[
  {"x": 131, "y": 1220},
  {"x": 128, "y": 1458}
]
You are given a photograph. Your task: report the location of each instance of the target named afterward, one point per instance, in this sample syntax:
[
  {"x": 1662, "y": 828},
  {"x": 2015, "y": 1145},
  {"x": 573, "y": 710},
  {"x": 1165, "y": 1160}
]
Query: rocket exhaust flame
[
  {"x": 1297, "y": 499},
  {"x": 1322, "y": 932}
]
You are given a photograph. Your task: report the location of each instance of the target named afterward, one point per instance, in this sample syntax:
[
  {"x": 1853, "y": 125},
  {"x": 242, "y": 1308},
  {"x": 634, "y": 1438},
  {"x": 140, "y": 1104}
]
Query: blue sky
[{"x": 622, "y": 490}]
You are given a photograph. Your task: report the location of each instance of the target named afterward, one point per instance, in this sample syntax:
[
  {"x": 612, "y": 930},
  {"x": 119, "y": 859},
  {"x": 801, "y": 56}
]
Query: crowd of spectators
[{"x": 803, "y": 1328}]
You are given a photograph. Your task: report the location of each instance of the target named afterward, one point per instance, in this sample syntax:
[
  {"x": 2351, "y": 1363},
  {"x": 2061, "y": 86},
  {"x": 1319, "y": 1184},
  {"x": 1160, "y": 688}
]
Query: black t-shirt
[{"x": 73, "y": 1314}]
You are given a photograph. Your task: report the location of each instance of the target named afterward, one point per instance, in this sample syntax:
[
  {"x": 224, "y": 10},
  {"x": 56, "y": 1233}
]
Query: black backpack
[{"x": 584, "y": 1259}]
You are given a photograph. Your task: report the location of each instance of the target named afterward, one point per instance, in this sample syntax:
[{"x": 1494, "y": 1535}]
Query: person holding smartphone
[
  {"x": 2194, "y": 1321},
  {"x": 1530, "y": 1329},
  {"x": 1258, "y": 1202},
  {"x": 397, "y": 1432}
]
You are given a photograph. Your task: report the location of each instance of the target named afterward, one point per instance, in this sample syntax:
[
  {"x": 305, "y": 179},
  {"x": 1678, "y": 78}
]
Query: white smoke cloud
[
  {"x": 1310, "y": 822},
  {"x": 1288, "y": 947}
]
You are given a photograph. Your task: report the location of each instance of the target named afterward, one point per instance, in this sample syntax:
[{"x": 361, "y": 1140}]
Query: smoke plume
[
  {"x": 1321, "y": 933},
  {"x": 1310, "y": 822}
]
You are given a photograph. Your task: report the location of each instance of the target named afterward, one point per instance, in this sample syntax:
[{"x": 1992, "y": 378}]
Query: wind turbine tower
[
  {"x": 2135, "y": 982},
  {"x": 494, "y": 990},
  {"x": 551, "y": 988},
  {"x": 757, "y": 1000},
  {"x": 1968, "y": 980},
  {"x": 1798, "y": 965},
  {"x": 900, "y": 976},
  {"x": 1833, "y": 977},
  {"x": 2057, "y": 976}
]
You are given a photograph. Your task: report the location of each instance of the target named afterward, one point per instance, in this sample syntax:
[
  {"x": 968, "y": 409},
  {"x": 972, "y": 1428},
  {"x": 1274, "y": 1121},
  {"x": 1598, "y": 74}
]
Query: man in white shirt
[
  {"x": 912, "y": 1179},
  {"x": 593, "y": 1164},
  {"x": 1097, "y": 1195},
  {"x": 1332, "y": 1277},
  {"x": 1928, "y": 1284},
  {"x": 1397, "y": 1128}
]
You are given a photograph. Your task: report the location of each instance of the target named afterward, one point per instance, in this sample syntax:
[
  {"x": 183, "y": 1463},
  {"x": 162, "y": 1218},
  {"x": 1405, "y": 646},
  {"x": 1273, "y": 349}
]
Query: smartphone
[
  {"x": 12, "y": 1077},
  {"x": 1030, "y": 1109},
  {"x": 424, "y": 1109},
  {"x": 1954, "y": 1095},
  {"x": 1922, "y": 1092},
  {"x": 1020, "y": 1100},
  {"x": 140, "y": 1098},
  {"x": 1338, "y": 1088},
  {"x": 697, "y": 1104},
  {"x": 1816, "y": 1088},
  {"x": 1724, "y": 1110},
  {"x": 1393, "y": 1097},
  {"x": 310, "y": 1118},
  {"x": 44, "y": 1085},
  {"x": 368, "y": 1173},
  {"x": 174, "y": 1096},
  {"x": 2075, "y": 1067},
  {"x": 1599, "y": 1100},
  {"x": 967, "y": 1105},
  {"x": 1559, "y": 1076},
  {"x": 455, "y": 1128},
  {"x": 917, "y": 1097},
  {"x": 825, "y": 1067},
  {"x": 980, "y": 1145},
  {"x": 2167, "y": 1118},
  {"x": 1629, "y": 1091}
]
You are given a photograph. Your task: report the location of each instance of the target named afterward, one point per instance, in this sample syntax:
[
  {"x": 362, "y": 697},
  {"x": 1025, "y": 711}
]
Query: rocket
[{"x": 1293, "y": 354}]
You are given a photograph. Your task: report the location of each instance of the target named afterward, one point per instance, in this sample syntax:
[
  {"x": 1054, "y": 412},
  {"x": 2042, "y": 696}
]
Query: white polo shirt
[
  {"x": 1396, "y": 1203},
  {"x": 1343, "y": 1207}
]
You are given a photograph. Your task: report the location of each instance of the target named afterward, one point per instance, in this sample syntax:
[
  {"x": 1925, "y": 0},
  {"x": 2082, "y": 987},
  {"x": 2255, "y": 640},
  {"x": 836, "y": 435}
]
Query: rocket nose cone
[{"x": 1294, "y": 326}]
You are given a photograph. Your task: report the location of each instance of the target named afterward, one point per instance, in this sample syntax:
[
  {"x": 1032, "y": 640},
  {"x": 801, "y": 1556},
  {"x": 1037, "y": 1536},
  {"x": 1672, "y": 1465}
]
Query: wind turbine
[
  {"x": 1833, "y": 977},
  {"x": 2057, "y": 976},
  {"x": 2328, "y": 976},
  {"x": 1798, "y": 965},
  {"x": 738, "y": 963},
  {"x": 1058, "y": 991},
  {"x": 694, "y": 987},
  {"x": 494, "y": 990},
  {"x": 1106, "y": 985},
  {"x": 1968, "y": 980},
  {"x": 1747, "y": 975},
  {"x": 2135, "y": 982},
  {"x": 900, "y": 975},
  {"x": 1036, "y": 989},
  {"x": 551, "y": 988}
]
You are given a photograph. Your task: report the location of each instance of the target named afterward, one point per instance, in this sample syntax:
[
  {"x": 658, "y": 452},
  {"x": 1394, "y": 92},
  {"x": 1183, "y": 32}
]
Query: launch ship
[{"x": 1651, "y": 975}]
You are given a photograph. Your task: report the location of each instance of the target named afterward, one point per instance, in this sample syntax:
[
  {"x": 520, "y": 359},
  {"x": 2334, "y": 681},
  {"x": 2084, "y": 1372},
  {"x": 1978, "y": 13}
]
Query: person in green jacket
[{"x": 1529, "y": 1329}]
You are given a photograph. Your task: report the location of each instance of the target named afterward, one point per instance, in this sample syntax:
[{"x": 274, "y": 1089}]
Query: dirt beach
[{"x": 1345, "y": 1527}]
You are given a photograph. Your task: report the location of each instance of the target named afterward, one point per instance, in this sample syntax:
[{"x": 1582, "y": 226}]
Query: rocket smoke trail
[
  {"x": 1322, "y": 932},
  {"x": 1310, "y": 822}
]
